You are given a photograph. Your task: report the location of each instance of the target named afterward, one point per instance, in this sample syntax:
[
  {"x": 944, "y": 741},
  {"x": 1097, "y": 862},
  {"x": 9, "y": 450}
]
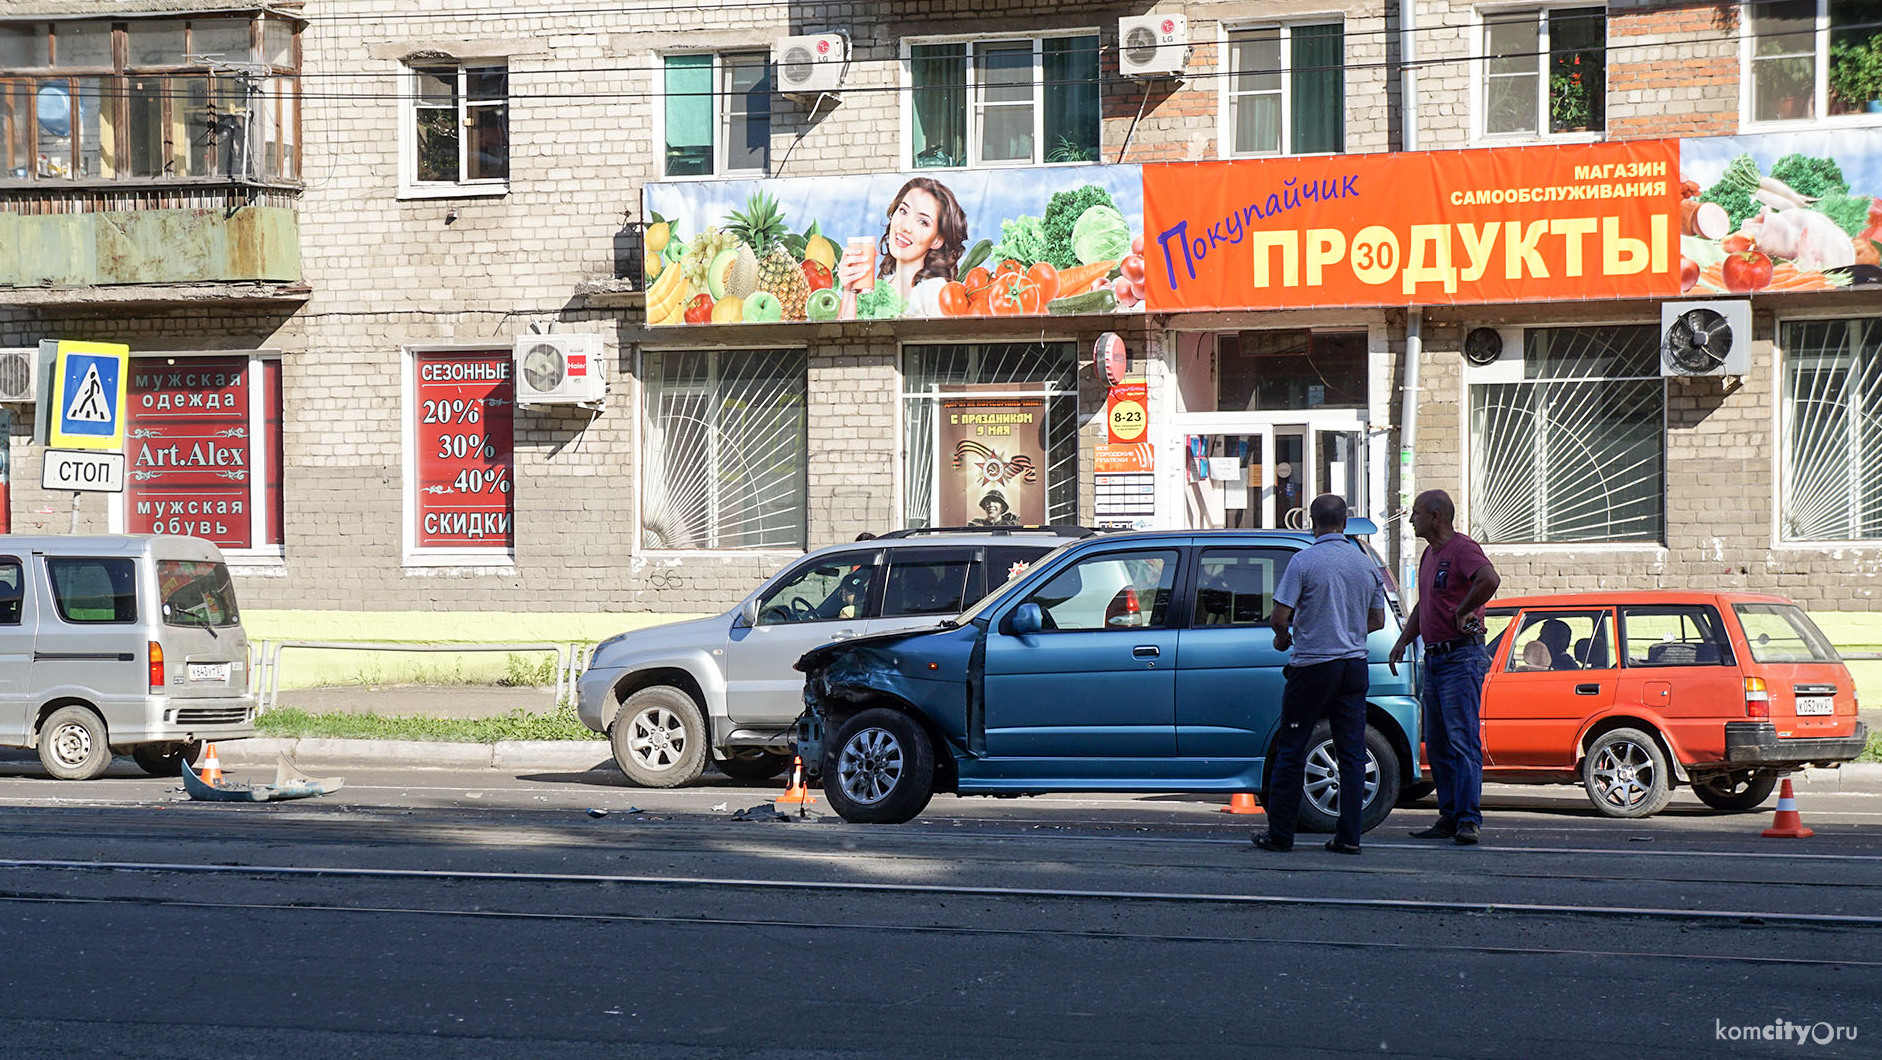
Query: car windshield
[
  {"x": 1781, "y": 633},
  {"x": 988, "y": 600},
  {"x": 196, "y": 593}
]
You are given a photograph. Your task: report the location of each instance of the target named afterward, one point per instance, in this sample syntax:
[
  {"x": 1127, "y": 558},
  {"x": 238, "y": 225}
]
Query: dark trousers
[
  {"x": 1453, "y": 699},
  {"x": 1335, "y": 691}
]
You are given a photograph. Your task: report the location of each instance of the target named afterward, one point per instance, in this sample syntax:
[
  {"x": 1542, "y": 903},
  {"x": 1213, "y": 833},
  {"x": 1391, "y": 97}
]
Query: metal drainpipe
[
  {"x": 1408, "y": 77},
  {"x": 1407, "y": 443}
]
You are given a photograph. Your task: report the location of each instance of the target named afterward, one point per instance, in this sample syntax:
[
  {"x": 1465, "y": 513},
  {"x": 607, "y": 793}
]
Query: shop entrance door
[{"x": 1253, "y": 471}]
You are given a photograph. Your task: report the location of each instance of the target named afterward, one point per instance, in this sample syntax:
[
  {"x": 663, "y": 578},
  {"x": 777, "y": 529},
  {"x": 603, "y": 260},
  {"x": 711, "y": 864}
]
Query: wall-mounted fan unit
[
  {"x": 19, "y": 374},
  {"x": 1493, "y": 355},
  {"x": 1705, "y": 338},
  {"x": 811, "y": 65},
  {"x": 559, "y": 370},
  {"x": 1152, "y": 45}
]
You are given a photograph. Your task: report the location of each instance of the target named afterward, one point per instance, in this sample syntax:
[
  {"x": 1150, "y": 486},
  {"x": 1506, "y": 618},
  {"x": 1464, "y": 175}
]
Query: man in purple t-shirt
[{"x": 1455, "y": 580}]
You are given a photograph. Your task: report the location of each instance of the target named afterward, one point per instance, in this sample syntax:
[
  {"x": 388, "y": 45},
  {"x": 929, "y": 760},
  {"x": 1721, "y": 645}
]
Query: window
[
  {"x": 1574, "y": 452},
  {"x": 1111, "y": 591},
  {"x": 927, "y": 582},
  {"x": 824, "y": 591},
  {"x": 203, "y": 449},
  {"x": 717, "y": 114},
  {"x": 1003, "y": 102},
  {"x": 1675, "y": 636},
  {"x": 1276, "y": 370},
  {"x": 1235, "y": 586},
  {"x": 1563, "y": 640},
  {"x": 458, "y": 129},
  {"x": 726, "y": 451},
  {"x": 1545, "y": 72},
  {"x": 1005, "y": 564},
  {"x": 170, "y": 109},
  {"x": 12, "y": 591},
  {"x": 1781, "y": 633},
  {"x": 1287, "y": 90},
  {"x": 1832, "y": 400},
  {"x": 196, "y": 593},
  {"x": 94, "y": 590},
  {"x": 1814, "y": 57}
]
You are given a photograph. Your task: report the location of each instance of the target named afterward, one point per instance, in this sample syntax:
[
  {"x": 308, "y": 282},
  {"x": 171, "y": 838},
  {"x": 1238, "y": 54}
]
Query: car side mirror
[
  {"x": 747, "y": 614},
  {"x": 1027, "y": 619}
]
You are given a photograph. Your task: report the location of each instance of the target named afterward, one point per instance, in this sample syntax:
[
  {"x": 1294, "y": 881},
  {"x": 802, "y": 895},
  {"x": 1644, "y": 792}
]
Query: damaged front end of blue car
[{"x": 924, "y": 674}]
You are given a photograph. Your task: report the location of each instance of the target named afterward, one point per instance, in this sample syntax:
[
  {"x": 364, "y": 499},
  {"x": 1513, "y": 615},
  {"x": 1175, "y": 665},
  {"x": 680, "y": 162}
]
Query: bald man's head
[{"x": 1328, "y": 512}]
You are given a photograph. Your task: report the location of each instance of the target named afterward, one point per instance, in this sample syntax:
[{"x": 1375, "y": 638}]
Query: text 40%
[{"x": 477, "y": 480}]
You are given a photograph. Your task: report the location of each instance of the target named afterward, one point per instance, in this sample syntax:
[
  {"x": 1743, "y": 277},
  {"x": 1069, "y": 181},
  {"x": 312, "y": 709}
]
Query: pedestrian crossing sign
[{"x": 89, "y": 381}]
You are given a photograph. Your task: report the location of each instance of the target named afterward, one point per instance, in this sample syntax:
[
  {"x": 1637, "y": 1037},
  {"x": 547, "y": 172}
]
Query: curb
[
  {"x": 561, "y": 755},
  {"x": 1855, "y": 776}
]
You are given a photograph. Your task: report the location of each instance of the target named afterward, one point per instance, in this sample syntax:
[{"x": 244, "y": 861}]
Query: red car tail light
[
  {"x": 1757, "y": 698},
  {"x": 156, "y": 668}
]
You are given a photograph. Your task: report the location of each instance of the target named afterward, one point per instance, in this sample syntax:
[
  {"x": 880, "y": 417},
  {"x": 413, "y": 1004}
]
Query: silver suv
[{"x": 723, "y": 688}]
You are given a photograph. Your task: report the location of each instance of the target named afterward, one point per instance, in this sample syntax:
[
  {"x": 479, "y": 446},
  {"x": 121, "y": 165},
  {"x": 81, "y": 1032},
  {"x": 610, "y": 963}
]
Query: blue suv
[{"x": 1125, "y": 662}]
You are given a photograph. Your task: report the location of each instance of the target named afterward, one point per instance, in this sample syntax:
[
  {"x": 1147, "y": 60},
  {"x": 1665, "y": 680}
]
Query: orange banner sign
[{"x": 1591, "y": 221}]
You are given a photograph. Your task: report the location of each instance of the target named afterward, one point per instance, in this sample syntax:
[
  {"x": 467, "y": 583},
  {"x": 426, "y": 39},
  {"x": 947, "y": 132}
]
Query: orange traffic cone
[
  {"x": 1242, "y": 802},
  {"x": 797, "y": 794},
  {"x": 1787, "y": 825},
  {"x": 212, "y": 766}
]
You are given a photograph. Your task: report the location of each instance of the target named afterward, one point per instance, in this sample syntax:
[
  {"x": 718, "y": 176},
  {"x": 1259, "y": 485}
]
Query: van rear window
[
  {"x": 94, "y": 590},
  {"x": 196, "y": 593},
  {"x": 1781, "y": 633}
]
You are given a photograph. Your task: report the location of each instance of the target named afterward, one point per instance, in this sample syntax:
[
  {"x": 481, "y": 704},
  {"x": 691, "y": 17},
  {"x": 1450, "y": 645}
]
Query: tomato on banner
[
  {"x": 189, "y": 452},
  {"x": 466, "y": 450}
]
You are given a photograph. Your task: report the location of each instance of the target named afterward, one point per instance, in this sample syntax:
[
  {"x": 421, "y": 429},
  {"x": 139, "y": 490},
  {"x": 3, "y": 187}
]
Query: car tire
[
  {"x": 73, "y": 744},
  {"x": 1415, "y": 793},
  {"x": 165, "y": 759},
  {"x": 659, "y": 738},
  {"x": 1320, "y": 807},
  {"x": 1626, "y": 775},
  {"x": 880, "y": 768},
  {"x": 760, "y": 765},
  {"x": 1735, "y": 792}
]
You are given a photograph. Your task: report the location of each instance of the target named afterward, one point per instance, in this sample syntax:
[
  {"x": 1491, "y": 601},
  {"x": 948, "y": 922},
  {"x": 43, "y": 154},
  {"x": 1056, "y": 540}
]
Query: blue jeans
[
  {"x": 1335, "y": 691},
  {"x": 1453, "y": 703}
]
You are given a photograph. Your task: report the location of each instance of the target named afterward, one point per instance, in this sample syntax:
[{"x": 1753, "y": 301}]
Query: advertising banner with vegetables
[
  {"x": 1781, "y": 212},
  {"x": 1006, "y": 242},
  {"x": 1521, "y": 224}
]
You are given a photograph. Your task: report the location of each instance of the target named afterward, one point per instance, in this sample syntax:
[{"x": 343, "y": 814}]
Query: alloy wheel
[
  {"x": 870, "y": 765},
  {"x": 1623, "y": 774},
  {"x": 1323, "y": 778},
  {"x": 657, "y": 738}
]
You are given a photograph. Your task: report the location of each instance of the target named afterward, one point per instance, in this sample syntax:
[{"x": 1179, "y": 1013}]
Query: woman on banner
[{"x": 918, "y": 251}]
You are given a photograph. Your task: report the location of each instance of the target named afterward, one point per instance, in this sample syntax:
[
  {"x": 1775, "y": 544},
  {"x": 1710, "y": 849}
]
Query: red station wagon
[{"x": 1632, "y": 692}]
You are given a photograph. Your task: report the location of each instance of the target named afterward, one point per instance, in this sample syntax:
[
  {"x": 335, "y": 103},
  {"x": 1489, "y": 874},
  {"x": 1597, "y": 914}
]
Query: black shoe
[
  {"x": 1442, "y": 830},
  {"x": 1268, "y": 842},
  {"x": 1342, "y": 848},
  {"x": 1466, "y": 834}
]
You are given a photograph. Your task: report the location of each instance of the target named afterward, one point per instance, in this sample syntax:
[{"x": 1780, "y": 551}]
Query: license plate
[
  {"x": 209, "y": 671},
  {"x": 1816, "y": 704}
]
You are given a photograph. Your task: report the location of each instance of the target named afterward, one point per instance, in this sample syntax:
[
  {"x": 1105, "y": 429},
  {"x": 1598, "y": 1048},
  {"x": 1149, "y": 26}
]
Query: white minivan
[{"x": 119, "y": 643}]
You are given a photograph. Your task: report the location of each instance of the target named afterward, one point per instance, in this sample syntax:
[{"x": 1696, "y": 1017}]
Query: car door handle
[
  {"x": 1146, "y": 651},
  {"x": 1587, "y": 690},
  {"x": 845, "y": 634}
]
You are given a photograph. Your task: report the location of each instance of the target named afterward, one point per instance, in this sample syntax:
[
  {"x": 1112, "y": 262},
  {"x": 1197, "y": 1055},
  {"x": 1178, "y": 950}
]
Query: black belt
[{"x": 1446, "y": 646}]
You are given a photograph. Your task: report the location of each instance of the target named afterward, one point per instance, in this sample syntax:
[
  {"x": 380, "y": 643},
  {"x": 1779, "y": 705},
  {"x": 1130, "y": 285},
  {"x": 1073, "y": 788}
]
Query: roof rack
[{"x": 1072, "y": 532}]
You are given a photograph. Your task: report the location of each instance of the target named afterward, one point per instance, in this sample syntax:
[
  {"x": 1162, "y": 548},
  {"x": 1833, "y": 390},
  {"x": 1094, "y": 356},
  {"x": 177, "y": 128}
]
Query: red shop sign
[
  {"x": 466, "y": 450},
  {"x": 189, "y": 450}
]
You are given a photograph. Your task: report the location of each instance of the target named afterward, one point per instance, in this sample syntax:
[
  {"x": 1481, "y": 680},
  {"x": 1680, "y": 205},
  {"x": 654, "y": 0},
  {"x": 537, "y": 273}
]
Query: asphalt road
[{"x": 470, "y": 914}]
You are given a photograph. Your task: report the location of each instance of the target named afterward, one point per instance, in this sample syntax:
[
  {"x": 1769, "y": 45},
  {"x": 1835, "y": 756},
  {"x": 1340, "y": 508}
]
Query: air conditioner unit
[
  {"x": 1493, "y": 355},
  {"x": 811, "y": 65},
  {"x": 559, "y": 370},
  {"x": 1705, "y": 338},
  {"x": 19, "y": 374},
  {"x": 1152, "y": 45}
]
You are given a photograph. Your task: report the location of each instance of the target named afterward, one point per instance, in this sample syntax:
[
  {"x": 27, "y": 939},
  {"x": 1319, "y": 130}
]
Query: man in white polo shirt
[{"x": 1329, "y": 599}]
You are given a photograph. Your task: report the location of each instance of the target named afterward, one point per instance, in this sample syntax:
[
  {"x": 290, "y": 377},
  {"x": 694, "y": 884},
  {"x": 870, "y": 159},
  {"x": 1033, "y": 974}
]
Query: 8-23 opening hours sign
[{"x": 466, "y": 450}]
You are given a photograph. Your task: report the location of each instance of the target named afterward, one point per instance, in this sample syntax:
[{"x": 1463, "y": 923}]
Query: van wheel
[
  {"x": 1626, "y": 775},
  {"x": 73, "y": 745},
  {"x": 165, "y": 759},
  {"x": 757, "y": 765},
  {"x": 1413, "y": 794},
  {"x": 1734, "y": 792},
  {"x": 659, "y": 738},
  {"x": 880, "y": 769},
  {"x": 1320, "y": 810}
]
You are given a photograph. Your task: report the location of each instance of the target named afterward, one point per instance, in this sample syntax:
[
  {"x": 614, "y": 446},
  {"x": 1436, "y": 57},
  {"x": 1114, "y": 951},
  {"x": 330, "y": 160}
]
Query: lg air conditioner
[
  {"x": 1152, "y": 45},
  {"x": 1705, "y": 338},
  {"x": 1493, "y": 355},
  {"x": 811, "y": 65},
  {"x": 19, "y": 374},
  {"x": 559, "y": 370}
]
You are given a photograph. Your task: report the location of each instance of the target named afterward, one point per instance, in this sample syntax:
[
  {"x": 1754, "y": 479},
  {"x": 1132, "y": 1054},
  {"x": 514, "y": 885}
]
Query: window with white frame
[
  {"x": 1575, "y": 452},
  {"x": 1023, "y": 101},
  {"x": 1287, "y": 90},
  {"x": 1813, "y": 57},
  {"x": 459, "y": 128},
  {"x": 1833, "y": 430},
  {"x": 1544, "y": 71},
  {"x": 725, "y": 459},
  {"x": 717, "y": 114}
]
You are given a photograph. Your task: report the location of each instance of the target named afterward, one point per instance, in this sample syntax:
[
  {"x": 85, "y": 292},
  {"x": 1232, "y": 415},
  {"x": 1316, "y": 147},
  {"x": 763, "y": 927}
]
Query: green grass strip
[
  {"x": 519, "y": 724},
  {"x": 1873, "y": 752}
]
